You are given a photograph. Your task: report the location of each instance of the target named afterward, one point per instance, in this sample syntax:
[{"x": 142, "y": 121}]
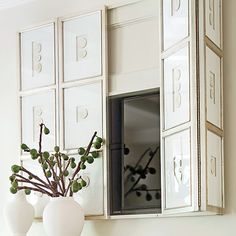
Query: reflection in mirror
[{"x": 135, "y": 154}]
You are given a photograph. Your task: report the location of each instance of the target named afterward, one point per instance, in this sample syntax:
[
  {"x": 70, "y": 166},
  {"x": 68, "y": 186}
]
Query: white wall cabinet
[
  {"x": 191, "y": 94},
  {"x": 63, "y": 84},
  {"x": 185, "y": 63}
]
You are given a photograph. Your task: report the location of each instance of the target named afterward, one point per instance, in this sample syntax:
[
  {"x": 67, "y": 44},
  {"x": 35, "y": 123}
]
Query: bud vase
[
  {"x": 63, "y": 216},
  {"x": 19, "y": 214}
]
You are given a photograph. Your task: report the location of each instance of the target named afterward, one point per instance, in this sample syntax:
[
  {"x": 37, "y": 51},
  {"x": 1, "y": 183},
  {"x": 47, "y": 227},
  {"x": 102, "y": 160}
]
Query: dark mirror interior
[{"x": 135, "y": 176}]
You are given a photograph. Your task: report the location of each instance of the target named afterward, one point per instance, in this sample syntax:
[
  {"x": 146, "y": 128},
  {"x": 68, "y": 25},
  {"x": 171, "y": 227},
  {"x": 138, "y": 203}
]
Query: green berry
[
  {"x": 27, "y": 191},
  {"x": 51, "y": 158},
  {"x": 72, "y": 164},
  {"x": 46, "y": 155},
  {"x": 49, "y": 174},
  {"x": 65, "y": 157},
  {"x": 95, "y": 154},
  {"x": 45, "y": 165},
  {"x": 99, "y": 140},
  {"x": 14, "y": 184},
  {"x": 53, "y": 163},
  {"x": 76, "y": 186},
  {"x": 82, "y": 166},
  {"x": 90, "y": 159},
  {"x": 97, "y": 145},
  {"x": 46, "y": 131},
  {"x": 83, "y": 158},
  {"x": 13, "y": 190},
  {"x": 66, "y": 173},
  {"x": 15, "y": 169},
  {"x": 72, "y": 159},
  {"x": 30, "y": 177},
  {"x": 56, "y": 149},
  {"x": 81, "y": 151},
  {"x": 12, "y": 178},
  {"x": 24, "y": 146},
  {"x": 34, "y": 154},
  {"x": 83, "y": 183}
]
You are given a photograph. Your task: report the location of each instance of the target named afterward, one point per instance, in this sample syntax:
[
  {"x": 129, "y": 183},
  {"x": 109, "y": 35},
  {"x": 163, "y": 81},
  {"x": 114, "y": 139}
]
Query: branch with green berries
[{"x": 56, "y": 168}]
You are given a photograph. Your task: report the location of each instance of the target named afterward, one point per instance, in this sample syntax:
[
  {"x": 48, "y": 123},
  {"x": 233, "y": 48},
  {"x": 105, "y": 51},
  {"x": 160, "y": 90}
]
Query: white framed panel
[
  {"x": 213, "y": 88},
  {"x": 177, "y": 171},
  {"x": 37, "y": 57},
  {"x": 91, "y": 197},
  {"x": 82, "y": 47},
  {"x": 214, "y": 170},
  {"x": 36, "y": 109},
  {"x": 134, "y": 63},
  {"x": 176, "y": 89},
  {"x": 82, "y": 114},
  {"x": 213, "y": 15},
  {"x": 175, "y": 21}
]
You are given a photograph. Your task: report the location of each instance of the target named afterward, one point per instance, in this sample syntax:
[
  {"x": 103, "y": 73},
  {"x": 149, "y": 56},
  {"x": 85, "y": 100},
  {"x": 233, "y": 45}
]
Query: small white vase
[
  {"x": 63, "y": 216},
  {"x": 19, "y": 214}
]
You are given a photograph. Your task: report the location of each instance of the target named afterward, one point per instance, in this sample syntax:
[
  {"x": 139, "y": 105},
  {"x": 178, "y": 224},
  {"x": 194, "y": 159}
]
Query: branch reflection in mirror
[{"x": 135, "y": 176}]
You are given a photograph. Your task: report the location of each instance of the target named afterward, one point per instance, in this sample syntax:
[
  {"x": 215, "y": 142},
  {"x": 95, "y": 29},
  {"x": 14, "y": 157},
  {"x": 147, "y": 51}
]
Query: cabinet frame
[
  {"x": 197, "y": 42},
  {"x": 60, "y": 85},
  {"x": 192, "y": 124}
]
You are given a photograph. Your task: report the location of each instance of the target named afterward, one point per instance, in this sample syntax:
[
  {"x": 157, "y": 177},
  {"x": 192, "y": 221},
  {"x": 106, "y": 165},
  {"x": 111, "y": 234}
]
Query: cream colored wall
[{"x": 13, "y": 19}]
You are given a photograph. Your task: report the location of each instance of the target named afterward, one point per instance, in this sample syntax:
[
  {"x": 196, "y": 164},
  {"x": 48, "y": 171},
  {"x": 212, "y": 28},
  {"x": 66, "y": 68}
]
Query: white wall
[{"x": 13, "y": 19}]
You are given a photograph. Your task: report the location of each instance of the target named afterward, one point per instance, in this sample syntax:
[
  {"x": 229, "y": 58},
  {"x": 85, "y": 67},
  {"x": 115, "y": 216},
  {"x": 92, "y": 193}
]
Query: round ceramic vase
[
  {"x": 19, "y": 214},
  {"x": 63, "y": 216}
]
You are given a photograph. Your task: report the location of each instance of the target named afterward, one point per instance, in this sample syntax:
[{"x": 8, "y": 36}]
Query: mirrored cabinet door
[
  {"x": 177, "y": 188},
  {"x": 175, "y": 22},
  {"x": 213, "y": 21},
  {"x": 134, "y": 154},
  {"x": 176, "y": 83},
  {"x": 214, "y": 170}
]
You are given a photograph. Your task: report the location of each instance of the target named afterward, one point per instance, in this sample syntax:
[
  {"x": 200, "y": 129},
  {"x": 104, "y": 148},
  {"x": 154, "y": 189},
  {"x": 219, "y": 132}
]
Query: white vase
[
  {"x": 63, "y": 216},
  {"x": 19, "y": 214}
]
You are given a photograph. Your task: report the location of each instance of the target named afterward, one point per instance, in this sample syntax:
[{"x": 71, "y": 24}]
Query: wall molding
[{"x": 5, "y": 4}]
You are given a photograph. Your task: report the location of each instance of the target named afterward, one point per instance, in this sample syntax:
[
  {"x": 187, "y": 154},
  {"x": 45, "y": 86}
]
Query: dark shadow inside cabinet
[{"x": 134, "y": 153}]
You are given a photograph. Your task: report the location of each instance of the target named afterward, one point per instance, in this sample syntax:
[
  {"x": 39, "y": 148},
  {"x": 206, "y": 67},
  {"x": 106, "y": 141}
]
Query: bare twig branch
[{"x": 78, "y": 167}]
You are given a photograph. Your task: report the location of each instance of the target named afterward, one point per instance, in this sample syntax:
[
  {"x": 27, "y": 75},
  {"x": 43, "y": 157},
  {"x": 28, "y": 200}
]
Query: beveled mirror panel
[
  {"x": 214, "y": 170},
  {"x": 82, "y": 47},
  {"x": 176, "y": 89},
  {"x": 175, "y": 21},
  {"x": 37, "y": 57},
  {"x": 213, "y": 88},
  {"x": 135, "y": 154},
  {"x": 91, "y": 197},
  {"x": 213, "y": 20},
  {"x": 177, "y": 170},
  {"x": 82, "y": 114},
  {"x": 36, "y": 109}
]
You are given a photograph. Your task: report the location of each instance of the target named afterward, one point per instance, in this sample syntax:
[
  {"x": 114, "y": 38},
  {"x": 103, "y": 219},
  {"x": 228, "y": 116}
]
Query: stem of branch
[{"x": 78, "y": 167}]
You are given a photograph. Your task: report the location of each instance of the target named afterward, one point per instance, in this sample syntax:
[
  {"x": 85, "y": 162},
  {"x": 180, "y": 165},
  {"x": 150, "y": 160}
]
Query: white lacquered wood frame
[
  {"x": 104, "y": 80},
  {"x": 59, "y": 84},
  {"x": 39, "y": 89},
  {"x": 204, "y": 125},
  {"x": 192, "y": 124},
  {"x": 21, "y": 94}
]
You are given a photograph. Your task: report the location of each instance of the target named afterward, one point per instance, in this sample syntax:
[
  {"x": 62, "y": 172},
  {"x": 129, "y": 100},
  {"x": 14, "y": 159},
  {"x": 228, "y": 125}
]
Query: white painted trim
[{"x": 6, "y": 4}]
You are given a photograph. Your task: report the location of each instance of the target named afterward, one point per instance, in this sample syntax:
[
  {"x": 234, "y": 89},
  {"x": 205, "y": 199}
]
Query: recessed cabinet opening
[{"x": 135, "y": 173}]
